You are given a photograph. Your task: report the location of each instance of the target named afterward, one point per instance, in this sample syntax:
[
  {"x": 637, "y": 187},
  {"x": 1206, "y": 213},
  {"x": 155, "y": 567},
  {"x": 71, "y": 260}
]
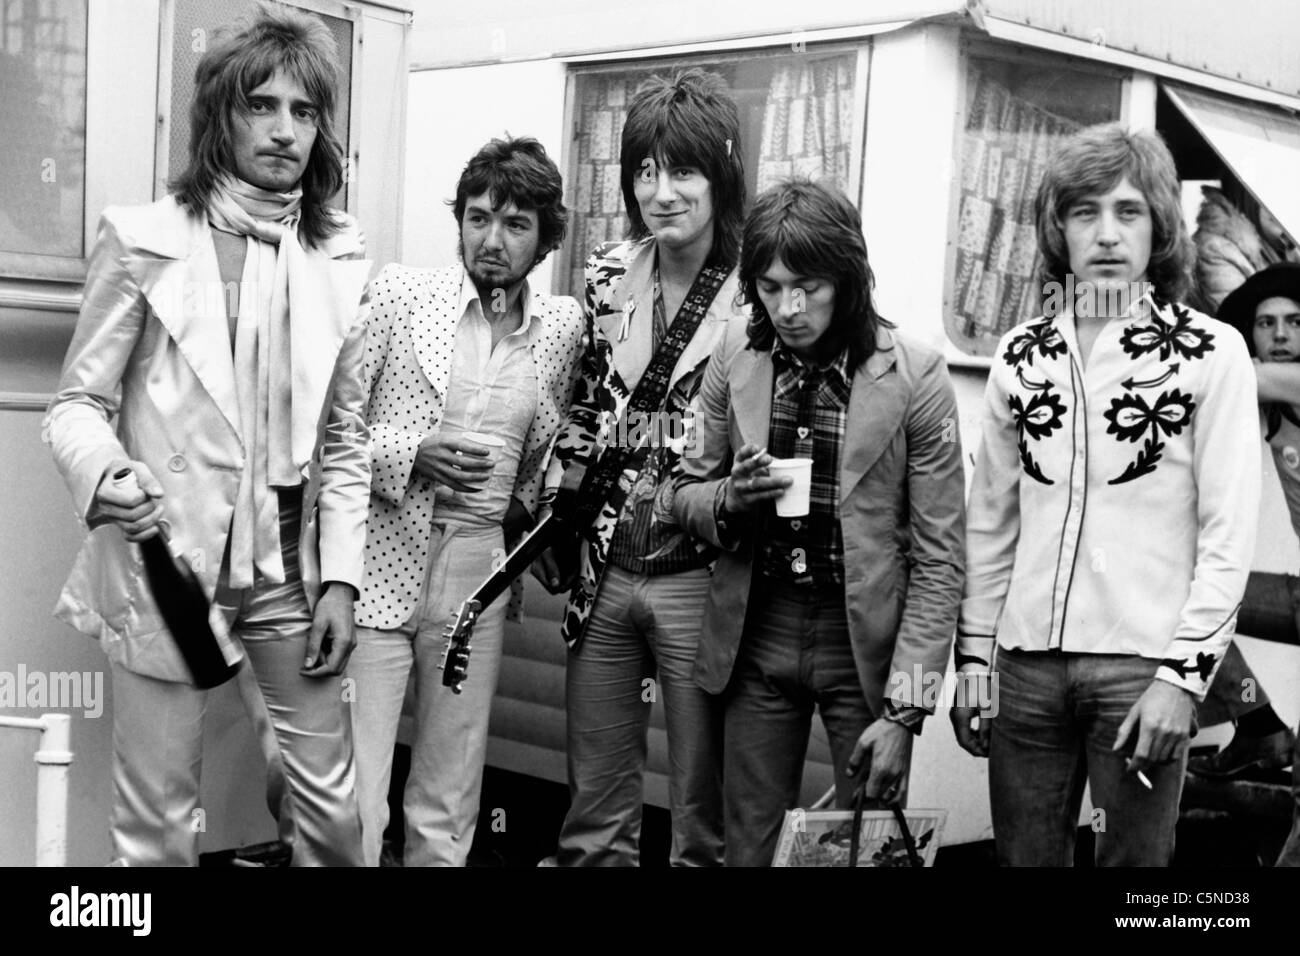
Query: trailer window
[
  {"x": 796, "y": 118},
  {"x": 1015, "y": 114},
  {"x": 42, "y": 127}
]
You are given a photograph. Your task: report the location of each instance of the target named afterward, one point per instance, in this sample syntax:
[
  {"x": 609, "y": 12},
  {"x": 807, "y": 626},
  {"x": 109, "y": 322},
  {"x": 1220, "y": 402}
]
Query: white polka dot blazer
[{"x": 409, "y": 339}]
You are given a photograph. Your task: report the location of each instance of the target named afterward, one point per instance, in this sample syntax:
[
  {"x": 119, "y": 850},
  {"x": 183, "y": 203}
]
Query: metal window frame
[{"x": 52, "y": 268}]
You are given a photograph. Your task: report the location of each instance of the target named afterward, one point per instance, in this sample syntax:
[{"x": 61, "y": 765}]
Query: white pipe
[
  {"x": 24, "y": 723},
  {"x": 52, "y": 762}
]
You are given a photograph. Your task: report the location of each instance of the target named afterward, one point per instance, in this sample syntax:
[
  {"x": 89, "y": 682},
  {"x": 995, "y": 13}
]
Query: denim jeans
[
  {"x": 638, "y": 622},
  {"x": 1058, "y": 717},
  {"x": 795, "y": 656}
]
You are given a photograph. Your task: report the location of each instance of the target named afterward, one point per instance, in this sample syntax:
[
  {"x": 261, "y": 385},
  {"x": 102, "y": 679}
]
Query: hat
[{"x": 1238, "y": 309}]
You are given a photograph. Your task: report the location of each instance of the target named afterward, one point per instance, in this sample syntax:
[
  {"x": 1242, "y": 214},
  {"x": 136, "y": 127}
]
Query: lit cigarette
[{"x": 1145, "y": 782}]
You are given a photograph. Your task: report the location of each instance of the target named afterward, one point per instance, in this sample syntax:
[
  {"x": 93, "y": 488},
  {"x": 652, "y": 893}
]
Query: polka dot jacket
[{"x": 410, "y": 334}]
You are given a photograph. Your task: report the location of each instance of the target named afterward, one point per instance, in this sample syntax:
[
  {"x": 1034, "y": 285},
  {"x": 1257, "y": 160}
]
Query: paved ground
[{"x": 521, "y": 817}]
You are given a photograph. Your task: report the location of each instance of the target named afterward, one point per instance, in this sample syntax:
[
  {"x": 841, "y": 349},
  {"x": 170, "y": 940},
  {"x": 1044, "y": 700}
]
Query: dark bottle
[{"x": 182, "y": 603}]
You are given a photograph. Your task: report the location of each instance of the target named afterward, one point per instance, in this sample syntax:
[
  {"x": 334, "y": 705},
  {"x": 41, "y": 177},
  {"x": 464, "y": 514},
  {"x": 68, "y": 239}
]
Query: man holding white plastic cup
[
  {"x": 820, "y": 605},
  {"x": 469, "y": 371}
]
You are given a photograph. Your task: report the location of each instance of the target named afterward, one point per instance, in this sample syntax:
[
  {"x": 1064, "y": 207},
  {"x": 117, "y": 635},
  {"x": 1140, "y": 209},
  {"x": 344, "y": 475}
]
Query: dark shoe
[{"x": 1244, "y": 754}]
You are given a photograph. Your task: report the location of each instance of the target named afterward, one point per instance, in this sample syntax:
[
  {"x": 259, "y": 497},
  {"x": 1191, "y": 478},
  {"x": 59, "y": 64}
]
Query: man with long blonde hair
[{"x": 240, "y": 415}]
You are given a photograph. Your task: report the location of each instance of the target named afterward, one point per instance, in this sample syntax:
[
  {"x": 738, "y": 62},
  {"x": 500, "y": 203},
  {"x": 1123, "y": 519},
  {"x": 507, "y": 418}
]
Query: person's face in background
[
  {"x": 1275, "y": 235},
  {"x": 1276, "y": 331}
]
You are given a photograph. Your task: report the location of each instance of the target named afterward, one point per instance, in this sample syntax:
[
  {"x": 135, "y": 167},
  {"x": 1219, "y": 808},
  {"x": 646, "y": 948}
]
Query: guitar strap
[{"x": 600, "y": 483}]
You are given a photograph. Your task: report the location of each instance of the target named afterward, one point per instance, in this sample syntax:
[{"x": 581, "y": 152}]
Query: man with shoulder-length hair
[
  {"x": 837, "y": 608},
  {"x": 1111, "y": 522},
  {"x": 455, "y": 357},
  {"x": 240, "y": 415},
  {"x": 655, "y": 306}
]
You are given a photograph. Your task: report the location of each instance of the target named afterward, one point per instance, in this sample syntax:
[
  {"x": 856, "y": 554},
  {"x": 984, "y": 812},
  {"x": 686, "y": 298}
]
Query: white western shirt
[{"x": 1113, "y": 508}]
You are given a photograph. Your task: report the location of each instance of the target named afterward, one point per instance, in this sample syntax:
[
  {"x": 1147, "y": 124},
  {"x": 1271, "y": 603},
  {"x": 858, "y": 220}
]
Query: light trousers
[
  {"x": 301, "y": 724},
  {"x": 441, "y": 799}
]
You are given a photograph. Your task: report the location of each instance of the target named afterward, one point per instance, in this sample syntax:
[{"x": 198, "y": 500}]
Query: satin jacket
[{"x": 150, "y": 376}]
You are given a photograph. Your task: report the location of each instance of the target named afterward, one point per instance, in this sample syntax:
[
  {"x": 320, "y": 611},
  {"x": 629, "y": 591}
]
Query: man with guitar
[
  {"x": 469, "y": 374},
  {"x": 238, "y": 435},
  {"x": 655, "y": 306}
]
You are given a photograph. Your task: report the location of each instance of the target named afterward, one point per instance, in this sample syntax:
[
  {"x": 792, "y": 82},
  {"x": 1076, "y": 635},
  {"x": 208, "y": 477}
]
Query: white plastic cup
[{"x": 794, "y": 502}]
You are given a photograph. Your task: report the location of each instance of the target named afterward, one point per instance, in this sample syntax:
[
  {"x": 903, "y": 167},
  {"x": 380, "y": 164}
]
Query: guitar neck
[{"x": 518, "y": 561}]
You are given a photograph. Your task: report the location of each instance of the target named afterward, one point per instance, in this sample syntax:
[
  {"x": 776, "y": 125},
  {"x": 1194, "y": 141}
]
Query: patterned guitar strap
[{"x": 600, "y": 484}]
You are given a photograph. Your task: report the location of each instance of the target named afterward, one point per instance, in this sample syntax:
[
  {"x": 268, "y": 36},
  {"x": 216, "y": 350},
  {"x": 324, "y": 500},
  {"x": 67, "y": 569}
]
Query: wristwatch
[{"x": 728, "y": 522}]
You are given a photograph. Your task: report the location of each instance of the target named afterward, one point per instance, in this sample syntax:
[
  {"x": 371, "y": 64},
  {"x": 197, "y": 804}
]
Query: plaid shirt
[{"x": 809, "y": 409}]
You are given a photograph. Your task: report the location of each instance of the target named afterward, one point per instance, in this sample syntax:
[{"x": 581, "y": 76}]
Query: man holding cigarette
[
  {"x": 851, "y": 582},
  {"x": 469, "y": 372},
  {"x": 1111, "y": 523}
]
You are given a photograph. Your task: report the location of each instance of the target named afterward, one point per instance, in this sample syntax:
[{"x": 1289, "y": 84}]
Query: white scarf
[{"x": 263, "y": 367}]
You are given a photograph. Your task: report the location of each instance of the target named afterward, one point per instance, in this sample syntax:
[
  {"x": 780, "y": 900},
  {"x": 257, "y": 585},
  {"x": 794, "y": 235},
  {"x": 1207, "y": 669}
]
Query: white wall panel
[{"x": 450, "y": 114}]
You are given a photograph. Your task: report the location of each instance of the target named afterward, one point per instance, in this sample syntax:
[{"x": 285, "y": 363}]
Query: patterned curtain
[
  {"x": 808, "y": 122},
  {"x": 597, "y": 214},
  {"x": 1007, "y": 141}
]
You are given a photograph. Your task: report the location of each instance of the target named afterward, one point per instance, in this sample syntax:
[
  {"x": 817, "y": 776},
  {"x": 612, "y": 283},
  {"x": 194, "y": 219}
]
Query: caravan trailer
[{"x": 934, "y": 117}]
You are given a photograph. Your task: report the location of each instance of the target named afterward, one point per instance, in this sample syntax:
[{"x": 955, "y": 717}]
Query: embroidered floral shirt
[{"x": 1113, "y": 506}]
